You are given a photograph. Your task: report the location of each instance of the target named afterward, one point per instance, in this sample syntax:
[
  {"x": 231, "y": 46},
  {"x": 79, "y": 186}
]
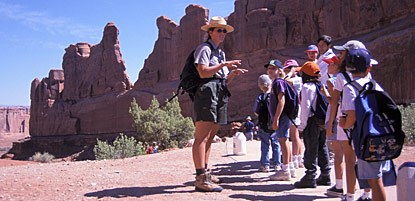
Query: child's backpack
[
  {"x": 321, "y": 104},
  {"x": 189, "y": 78},
  {"x": 264, "y": 118},
  {"x": 377, "y": 134},
  {"x": 292, "y": 105}
]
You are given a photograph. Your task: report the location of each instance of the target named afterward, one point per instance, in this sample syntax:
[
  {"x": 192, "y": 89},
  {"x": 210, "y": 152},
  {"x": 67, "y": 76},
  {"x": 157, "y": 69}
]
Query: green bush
[
  {"x": 408, "y": 122},
  {"x": 42, "y": 157},
  {"x": 123, "y": 147},
  {"x": 165, "y": 125}
]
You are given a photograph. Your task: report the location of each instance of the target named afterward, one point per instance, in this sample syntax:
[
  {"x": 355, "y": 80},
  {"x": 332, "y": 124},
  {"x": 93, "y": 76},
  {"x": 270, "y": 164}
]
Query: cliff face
[
  {"x": 92, "y": 93},
  {"x": 268, "y": 29},
  {"x": 14, "y": 119}
]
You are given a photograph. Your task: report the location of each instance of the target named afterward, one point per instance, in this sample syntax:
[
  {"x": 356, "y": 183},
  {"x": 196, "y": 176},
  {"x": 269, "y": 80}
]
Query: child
[
  {"x": 290, "y": 69},
  {"x": 338, "y": 137},
  {"x": 264, "y": 124},
  {"x": 349, "y": 155},
  {"x": 312, "y": 53},
  {"x": 358, "y": 62},
  {"x": 281, "y": 123},
  {"x": 314, "y": 133}
]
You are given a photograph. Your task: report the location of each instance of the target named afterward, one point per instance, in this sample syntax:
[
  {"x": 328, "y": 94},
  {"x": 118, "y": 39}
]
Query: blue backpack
[
  {"x": 321, "y": 104},
  {"x": 377, "y": 134}
]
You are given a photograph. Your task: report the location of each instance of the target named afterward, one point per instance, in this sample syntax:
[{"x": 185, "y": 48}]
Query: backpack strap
[
  {"x": 317, "y": 88},
  {"x": 346, "y": 76}
]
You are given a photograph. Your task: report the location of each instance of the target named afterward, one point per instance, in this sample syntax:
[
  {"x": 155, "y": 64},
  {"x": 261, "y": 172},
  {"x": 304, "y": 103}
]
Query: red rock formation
[
  {"x": 82, "y": 98},
  {"x": 92, "y": 93},
  {"x": 14, "y": 119}
]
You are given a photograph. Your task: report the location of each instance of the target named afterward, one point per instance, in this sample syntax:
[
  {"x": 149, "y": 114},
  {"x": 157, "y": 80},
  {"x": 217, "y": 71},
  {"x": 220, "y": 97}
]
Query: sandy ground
[{"x": 162, "y": 176}]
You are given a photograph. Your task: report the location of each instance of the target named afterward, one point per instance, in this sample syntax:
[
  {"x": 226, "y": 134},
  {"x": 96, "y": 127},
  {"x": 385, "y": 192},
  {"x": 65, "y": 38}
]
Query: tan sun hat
[{"x": 219, "y": 22}]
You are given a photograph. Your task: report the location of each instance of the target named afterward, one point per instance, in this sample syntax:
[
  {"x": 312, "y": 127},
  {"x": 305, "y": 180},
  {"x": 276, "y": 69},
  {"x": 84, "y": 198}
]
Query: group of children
[{"x": 324, "y": 77}]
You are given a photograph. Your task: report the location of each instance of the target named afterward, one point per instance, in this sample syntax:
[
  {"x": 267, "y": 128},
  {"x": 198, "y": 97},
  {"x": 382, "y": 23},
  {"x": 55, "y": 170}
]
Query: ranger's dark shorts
[{"x": 211, "y": 102}]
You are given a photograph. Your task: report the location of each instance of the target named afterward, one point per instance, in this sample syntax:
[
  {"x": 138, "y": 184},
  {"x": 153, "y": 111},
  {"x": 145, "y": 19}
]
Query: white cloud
[{"x": 38, "y": 21}]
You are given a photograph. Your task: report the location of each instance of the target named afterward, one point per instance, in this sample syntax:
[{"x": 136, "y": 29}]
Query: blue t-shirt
[
  {"x": 278, "y": 86},
  {"x": 249, "y": 125}
]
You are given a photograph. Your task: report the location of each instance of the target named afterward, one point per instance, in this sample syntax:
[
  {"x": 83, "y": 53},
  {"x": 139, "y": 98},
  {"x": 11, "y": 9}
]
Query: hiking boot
[
  {"x": 281, "y": 175},
  {"x": 263, "y": 168},
  {"x": 306, "y": 182},
  {"x": 323, "y": 180},
  {"x": 333, "y": 191},
  {"x": 203, "y": 184},
  {"x": 212, "y": 177}
]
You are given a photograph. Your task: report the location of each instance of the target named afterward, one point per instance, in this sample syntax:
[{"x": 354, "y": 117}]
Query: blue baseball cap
[
  {"x": 357, "y": 60},
  {"x": 274, "y": 62},
  {"x": 311, "y": 48}
]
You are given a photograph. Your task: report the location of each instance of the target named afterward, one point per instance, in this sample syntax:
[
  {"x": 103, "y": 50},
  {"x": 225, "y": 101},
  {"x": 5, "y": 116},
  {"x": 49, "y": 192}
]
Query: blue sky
[{"x": 34, "y": 34}]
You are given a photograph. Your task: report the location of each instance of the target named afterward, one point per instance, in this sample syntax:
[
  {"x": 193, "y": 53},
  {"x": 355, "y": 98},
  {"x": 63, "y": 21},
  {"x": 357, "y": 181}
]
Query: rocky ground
[{"x": 162, "y": 176}]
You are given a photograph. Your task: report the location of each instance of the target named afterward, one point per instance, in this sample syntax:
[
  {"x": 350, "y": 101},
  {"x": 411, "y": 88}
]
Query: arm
[
  {"x": 327, "y": 91},
  {"x": 208, "y": 71},
  {"x": 235, "y": 73},
  {"x": 278, "y": 112},
  {"x": 334, "y": 102},
  {"x": 349, "y": 120}
]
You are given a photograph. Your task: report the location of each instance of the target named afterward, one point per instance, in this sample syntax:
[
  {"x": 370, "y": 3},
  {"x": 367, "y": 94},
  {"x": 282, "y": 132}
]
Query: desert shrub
[
  {"x": 122, "y": 147},
  {"x": 165, "y": 125},
  {"x": 42, "y": 157},
  {"x": 408, "y": 122}
]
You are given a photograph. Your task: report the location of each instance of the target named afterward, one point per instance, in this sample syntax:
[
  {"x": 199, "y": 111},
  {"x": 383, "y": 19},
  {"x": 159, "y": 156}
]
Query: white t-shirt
[
  {"x": 324, "y": 66},
  {"x": 350, "y": 93},
  {"x": 308, "y": 100}
]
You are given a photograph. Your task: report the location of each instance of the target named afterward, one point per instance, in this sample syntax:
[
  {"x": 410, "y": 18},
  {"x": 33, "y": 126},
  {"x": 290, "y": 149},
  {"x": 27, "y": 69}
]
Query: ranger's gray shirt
[{"x": 204, "y": 55}]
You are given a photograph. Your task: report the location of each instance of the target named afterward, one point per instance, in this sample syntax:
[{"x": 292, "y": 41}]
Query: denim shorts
[
  {"x": 283, "y": 127},
  {"x": 372, "y": 170},
  {"x": 211, "y": 102}
]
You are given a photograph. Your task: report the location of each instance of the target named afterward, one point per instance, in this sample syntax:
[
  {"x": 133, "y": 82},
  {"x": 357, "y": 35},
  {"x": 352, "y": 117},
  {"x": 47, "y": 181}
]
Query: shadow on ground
[
  {"x": 273, "y": 198},
  {"x": 137, "y": 191}
]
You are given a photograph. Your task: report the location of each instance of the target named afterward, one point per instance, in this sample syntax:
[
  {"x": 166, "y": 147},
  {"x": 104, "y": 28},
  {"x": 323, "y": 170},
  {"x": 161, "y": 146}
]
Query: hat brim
[
  {"x": 298, "y": 69},
  {"x": 228, "y": 28},
  {"x": 373, "y": 62},
  {"x": 339, "y": 48}
]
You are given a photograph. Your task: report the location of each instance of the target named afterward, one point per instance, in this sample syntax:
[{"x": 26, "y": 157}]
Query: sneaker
[
  {"x": 293, "y": 173},
  {"x": 333, "y": 191},
  {"x": 347, "y": 198},
  {"x": 204, "y": 184},
  {"x": 264, "y": 168},
  {"x": 323, "y": 180},
  {"x": 296, "y": 164},
  {"x": 306, "y": 182},
  {"x": 277, "y": 168},
  {"x": 281, "y": 175},
  {"x": 301, "y": 164},
  {"x": 364, "y": 199}
]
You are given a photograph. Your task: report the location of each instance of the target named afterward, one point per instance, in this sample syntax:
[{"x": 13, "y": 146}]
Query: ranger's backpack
[
  {"x": 321, "y": 104},
  {"x": 377, "y": 134},
  {"x": 189, "y": 78},
  {"x": 264, "y": 118}
]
